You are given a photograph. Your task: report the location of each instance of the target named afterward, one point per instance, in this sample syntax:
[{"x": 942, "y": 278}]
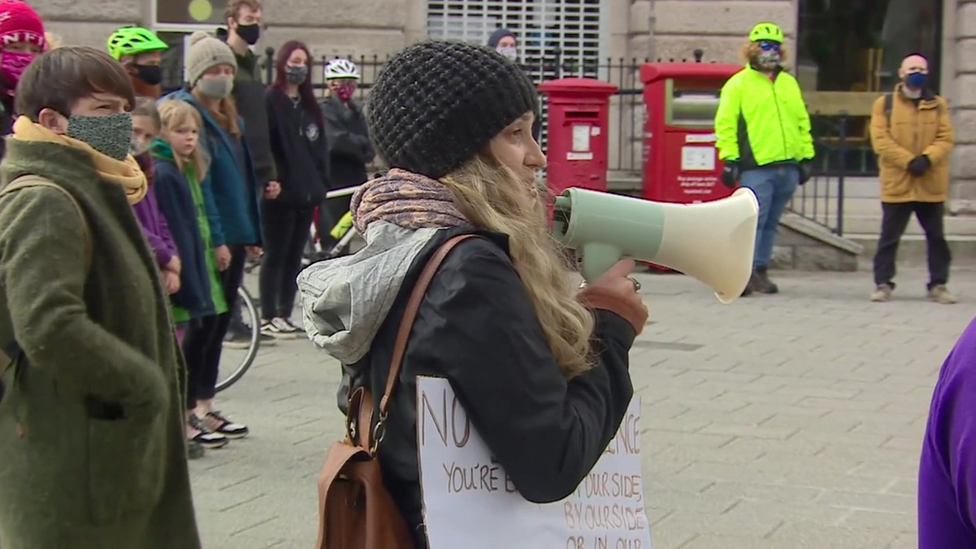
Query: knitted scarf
[{"x": 405, "y": 199}]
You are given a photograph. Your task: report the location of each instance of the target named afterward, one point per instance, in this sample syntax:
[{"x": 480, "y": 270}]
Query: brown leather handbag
[{"x": 355, "y": 509}]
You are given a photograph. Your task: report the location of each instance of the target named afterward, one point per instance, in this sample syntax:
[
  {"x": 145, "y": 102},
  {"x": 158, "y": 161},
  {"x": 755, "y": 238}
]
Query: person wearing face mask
[
  {"x": 92, "y": 402},
  {"x": 23, "y": 38},
  {"x": 539, "y": 366},
  {"x": 299, "y": 144},
  {"x": 237, "y": 232},
  {"x": 763, "y": 137},
  {"x": 243, "y": 19},
  {"x": 912, "y": 134},
  {"x": 505, "y": 42},
  {"x": 350, "y": 149},
  {"x": 140, "y": 52}
]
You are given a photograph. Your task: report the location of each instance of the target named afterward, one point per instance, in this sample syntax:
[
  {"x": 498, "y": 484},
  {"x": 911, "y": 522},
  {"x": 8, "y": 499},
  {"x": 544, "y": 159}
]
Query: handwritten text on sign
[{"x": 470, "y": 502}]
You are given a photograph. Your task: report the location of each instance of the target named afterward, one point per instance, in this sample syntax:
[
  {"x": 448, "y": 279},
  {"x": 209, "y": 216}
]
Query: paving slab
[{"x": 777, "y": 422}]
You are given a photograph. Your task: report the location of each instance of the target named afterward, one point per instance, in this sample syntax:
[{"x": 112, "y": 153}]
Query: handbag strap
[{"x": 364, "y": 415}]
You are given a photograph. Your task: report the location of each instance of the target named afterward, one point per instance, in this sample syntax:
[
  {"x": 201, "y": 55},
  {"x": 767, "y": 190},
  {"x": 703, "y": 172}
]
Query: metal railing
[{"x": 842, "y": 149}]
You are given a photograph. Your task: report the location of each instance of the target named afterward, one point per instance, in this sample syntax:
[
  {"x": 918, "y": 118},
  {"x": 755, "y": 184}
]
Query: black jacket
[
  {"x": 300, "y": 150},
  {"x": 249, "y": 91},
  {"x": 477, "y": 328},
  {"x": 349, "y": 144}
]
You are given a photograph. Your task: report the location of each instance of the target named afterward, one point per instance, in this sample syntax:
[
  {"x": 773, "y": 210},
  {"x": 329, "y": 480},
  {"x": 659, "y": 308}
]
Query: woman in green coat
[{"x": 92, "y": 444}]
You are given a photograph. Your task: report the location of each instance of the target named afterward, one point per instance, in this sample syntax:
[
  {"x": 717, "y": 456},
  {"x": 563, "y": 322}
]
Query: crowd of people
[
  {"x": 127, "y": 217},
  {"x": 138, "y": 294}
]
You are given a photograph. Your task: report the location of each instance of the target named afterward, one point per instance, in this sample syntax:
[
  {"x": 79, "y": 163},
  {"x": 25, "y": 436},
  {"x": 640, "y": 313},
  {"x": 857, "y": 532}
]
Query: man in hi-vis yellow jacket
[{"x": 763, "y": 132}]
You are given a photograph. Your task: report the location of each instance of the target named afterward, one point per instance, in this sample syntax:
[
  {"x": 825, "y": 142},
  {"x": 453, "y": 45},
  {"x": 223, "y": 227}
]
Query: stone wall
[
  {"x": 718, "y": 27},
  {"x": 959, "y": 60}
]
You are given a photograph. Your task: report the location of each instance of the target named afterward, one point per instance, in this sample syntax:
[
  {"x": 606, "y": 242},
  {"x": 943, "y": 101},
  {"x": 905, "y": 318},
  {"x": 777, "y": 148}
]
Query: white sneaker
[{"x": 282, "y": 330}]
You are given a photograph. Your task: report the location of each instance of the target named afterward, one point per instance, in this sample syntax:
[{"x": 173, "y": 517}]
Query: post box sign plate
[{"x": 470, "y": 502}]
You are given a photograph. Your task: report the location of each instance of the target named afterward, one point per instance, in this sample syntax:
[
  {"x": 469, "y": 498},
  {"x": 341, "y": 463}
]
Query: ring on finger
[{"x": 637, "y": 284}]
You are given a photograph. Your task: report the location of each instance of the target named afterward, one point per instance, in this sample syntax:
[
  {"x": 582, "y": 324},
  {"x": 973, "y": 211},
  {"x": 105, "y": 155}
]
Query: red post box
[
  {"x": 579, "y": 113},
  {"x": 681, "y": 162}
]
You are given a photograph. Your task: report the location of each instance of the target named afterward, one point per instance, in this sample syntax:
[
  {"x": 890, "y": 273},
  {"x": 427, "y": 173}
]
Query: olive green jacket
[{"x": 92, "y": 433}]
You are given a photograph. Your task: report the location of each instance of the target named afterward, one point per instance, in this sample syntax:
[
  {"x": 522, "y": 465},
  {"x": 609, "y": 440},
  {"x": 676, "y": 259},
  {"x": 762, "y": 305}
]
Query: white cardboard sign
[{"x": 470, "y": 502}]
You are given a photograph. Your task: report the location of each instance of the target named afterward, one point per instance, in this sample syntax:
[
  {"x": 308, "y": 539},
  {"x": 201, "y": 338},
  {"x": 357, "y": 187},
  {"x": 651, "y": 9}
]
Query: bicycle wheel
[{"x": 234, "y": 362}]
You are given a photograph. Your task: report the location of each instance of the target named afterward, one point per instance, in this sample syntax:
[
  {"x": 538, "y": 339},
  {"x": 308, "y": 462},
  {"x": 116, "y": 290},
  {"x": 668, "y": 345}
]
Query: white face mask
[{"x": 509, "y": 51}]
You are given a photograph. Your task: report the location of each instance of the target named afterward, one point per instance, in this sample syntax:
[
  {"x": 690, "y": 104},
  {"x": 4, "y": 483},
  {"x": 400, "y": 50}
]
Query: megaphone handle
[{"x": 597, "y": 259}]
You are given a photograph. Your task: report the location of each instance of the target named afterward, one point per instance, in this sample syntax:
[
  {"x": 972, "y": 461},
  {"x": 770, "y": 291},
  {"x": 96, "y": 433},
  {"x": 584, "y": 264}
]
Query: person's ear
[
  {"x": 230, "y": 23},
  {"x": 901, "y": 73},
  {"x": 53, "y": 120}
]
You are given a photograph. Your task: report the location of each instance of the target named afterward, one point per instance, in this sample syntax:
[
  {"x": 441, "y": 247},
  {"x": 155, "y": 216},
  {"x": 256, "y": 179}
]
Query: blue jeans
[{"x": 774, "y": 187}]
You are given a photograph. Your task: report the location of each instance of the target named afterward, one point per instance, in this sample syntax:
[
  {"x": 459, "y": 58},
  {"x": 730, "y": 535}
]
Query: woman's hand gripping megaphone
[{"x": 617, "y": 292}]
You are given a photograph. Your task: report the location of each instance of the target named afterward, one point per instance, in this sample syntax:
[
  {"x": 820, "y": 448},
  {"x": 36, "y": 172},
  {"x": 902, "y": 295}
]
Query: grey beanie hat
[{"x": 207, "y": 51}]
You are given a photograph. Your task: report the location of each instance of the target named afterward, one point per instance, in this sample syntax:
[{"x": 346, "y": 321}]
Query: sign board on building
[
  {"x": 187, "y": 13},
  {"x": 469, "y": 500}
]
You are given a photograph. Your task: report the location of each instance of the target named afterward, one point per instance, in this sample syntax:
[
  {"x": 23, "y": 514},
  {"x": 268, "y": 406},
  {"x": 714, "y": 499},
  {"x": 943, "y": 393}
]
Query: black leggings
[
  {"x": 285, "y": 236},
  {"x": 203, "y": 343}
]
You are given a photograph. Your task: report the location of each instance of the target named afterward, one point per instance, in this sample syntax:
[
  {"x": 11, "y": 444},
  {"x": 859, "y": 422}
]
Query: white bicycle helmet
[{"x": 341, "y": 68}]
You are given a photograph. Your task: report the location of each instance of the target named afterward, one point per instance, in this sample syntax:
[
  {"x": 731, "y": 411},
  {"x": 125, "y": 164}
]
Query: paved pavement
[{"x": 787, "y": 421}]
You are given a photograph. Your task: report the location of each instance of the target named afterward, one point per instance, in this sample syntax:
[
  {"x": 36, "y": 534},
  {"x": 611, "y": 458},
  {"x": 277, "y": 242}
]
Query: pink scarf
[{"x": 405, "y": 199}]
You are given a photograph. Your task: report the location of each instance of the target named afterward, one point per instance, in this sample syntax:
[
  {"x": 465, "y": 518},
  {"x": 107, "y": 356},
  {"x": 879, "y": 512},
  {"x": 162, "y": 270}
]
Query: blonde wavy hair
[
  {"x": 174, "y": 113},
  {"x": 751, "y": 50},
  {"x": 492, "y": 197}
]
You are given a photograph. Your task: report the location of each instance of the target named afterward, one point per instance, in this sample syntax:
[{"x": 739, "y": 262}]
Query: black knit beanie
[{"x": 438, "y": 103}]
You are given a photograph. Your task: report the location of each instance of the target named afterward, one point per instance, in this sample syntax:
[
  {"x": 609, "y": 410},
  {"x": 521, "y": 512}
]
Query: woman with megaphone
[{"x": 540, "y": 366}]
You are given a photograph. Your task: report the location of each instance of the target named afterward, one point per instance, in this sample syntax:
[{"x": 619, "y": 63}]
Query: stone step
[{"x": 912, "y": 250}]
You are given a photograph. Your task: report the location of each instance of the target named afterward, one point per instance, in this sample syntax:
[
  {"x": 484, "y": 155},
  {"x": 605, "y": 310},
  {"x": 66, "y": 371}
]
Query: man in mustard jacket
[
  {"x": 763, "y": 136},
  {"x": 912, "y": 136}
]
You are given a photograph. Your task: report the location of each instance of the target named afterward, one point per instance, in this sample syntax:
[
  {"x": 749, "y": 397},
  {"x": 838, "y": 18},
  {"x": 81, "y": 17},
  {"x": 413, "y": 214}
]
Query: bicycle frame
[{"x": 343, "y": 230}]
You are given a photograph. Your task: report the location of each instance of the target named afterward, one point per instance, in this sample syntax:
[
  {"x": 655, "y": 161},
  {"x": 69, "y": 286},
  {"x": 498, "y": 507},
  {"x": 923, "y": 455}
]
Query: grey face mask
[
  {"x": 296, "y": 74},
  {"x": 110, "y": 135},
  {"x": 216, "y": 88}
]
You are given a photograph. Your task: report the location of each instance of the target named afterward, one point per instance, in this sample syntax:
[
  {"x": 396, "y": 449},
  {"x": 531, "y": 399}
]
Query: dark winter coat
[
  {"x": 349, "y": 145},
  {"x": 301, "y": 151},
  {"x": 477, "y": 328}
]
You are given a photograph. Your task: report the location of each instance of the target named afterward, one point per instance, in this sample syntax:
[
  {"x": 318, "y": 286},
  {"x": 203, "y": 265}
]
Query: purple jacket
[
  {"x": 947, "y": 473},
  {"x": 152, "y": 221}
]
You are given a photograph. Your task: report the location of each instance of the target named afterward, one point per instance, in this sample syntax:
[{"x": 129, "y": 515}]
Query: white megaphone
[{"x": 712, "y": 241}]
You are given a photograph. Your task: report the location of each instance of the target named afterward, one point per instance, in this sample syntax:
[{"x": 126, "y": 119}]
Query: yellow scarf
[{"x": 124, "y": 172}]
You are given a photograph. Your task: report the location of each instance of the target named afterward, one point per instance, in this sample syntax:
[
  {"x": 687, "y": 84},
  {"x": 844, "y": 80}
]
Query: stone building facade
[{"x": 667, "y": 29}]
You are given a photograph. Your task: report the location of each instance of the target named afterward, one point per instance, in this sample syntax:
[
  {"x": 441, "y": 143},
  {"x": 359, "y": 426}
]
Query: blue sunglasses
[{"x": 766, "y": 45}]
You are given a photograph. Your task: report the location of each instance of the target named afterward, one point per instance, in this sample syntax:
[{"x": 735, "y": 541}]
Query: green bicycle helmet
[
  {"x": 766, "y": 31},
  {"x": 133, "y": 40}
]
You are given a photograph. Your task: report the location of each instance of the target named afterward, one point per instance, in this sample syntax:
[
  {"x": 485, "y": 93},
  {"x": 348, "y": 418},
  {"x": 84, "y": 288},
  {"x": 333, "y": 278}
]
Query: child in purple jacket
[{"x": 145, "y": 126}]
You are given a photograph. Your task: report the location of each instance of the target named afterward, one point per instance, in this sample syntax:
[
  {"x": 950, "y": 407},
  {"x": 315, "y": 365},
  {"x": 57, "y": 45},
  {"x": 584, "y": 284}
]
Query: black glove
[
  {"x": 919, "y": 165},
  {"x": 730, "y": 173},
  {"x": 806, "y": 171}
]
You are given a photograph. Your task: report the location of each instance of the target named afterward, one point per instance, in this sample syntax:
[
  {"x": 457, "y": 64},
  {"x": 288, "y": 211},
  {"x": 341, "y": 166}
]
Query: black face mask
[
  {"x": 249, "y": 33},
  {"x": 150, "y": 74}
]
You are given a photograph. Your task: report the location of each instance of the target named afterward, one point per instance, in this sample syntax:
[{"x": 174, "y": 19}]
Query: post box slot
[
  {"x": 694, "y": 108},
  {"x": 583, "y": 115}
]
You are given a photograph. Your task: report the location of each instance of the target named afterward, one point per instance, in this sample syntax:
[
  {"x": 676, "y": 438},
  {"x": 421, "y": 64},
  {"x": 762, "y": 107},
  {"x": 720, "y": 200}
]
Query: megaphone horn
[{"x": 712, "y": 242}]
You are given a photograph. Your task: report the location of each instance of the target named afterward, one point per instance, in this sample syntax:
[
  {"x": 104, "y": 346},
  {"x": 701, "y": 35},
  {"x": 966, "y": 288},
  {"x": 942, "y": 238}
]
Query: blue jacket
[
  {"x": 235, "y": 187},
  {"x": 176, "y": 204}
]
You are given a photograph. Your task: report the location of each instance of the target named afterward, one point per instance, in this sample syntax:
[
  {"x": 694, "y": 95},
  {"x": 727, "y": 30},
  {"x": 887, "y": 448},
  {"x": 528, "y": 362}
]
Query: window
[
  {"x": 183, "y": 13},
  {"x": 556, "y": 38},
  {"x": 858, "y": 45}
]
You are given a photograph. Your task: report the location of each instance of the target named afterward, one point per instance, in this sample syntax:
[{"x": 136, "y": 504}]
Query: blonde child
[{"x": 188, "y": 205}]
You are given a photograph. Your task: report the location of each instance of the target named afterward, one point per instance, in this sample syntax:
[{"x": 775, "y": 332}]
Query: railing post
[
  {"x": 841, "y": 171},
  {"x": 269, "y": 68}
]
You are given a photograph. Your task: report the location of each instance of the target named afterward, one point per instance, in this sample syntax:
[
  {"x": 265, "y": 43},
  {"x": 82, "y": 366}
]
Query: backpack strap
[
  {"x": 360, "y": 412},
  {"x": 11, "y": 350},
  {"x": 889, "y": 100}
]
